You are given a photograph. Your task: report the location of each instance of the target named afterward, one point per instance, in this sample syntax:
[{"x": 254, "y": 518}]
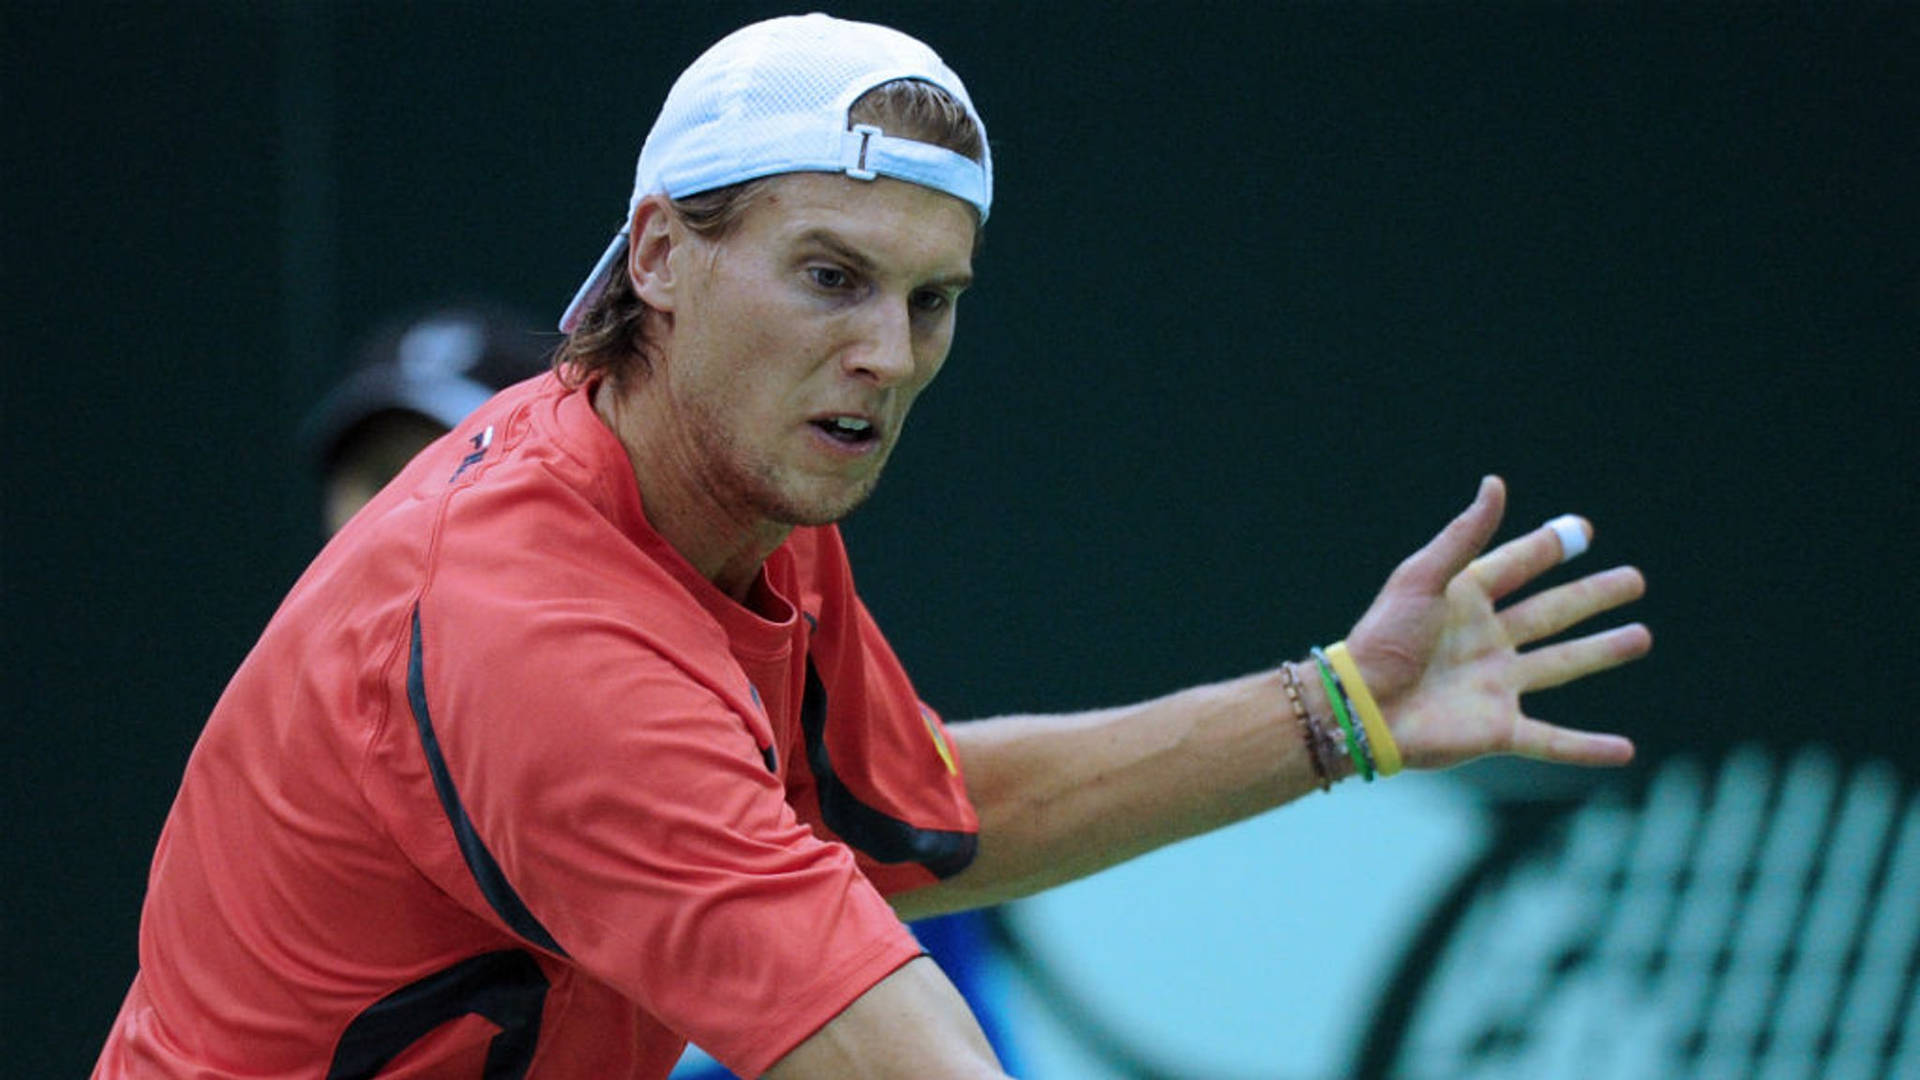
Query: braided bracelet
[
  {"x": 1310, "y": 732},
  {"x": 1329, "y": 747}
]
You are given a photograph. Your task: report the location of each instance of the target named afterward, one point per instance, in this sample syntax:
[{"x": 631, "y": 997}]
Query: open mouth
[{"x": 848, "y": 430}]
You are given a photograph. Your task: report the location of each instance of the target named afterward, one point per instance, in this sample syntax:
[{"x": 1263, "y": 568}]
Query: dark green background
[{"x": 1266, "y": 289}]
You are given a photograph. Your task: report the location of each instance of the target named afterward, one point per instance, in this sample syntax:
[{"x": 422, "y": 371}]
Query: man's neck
[{"x": 724, "y": 549}]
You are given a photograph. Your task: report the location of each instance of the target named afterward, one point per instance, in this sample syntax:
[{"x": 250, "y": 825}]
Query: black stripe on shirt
[
  {"x": 507, "y": 988},
  {"x": 493, "y": 882},
  {"x": 879, "y": 834}
]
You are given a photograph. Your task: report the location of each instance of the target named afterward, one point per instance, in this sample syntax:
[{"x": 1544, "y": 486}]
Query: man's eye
[
  {"x": 828, "y": 277},
  {"x": 930, "y": 301}
]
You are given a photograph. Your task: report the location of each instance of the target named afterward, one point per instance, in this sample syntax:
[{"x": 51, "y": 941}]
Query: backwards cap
[{"x": 773, "y": 98}]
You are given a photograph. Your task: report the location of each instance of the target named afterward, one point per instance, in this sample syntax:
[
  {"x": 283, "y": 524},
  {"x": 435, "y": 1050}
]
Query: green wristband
[{"x": 1362, "y": 760}]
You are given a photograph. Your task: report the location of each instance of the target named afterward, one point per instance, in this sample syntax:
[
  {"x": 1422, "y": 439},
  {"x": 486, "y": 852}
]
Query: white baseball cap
[{"x": 773, "y": 98}]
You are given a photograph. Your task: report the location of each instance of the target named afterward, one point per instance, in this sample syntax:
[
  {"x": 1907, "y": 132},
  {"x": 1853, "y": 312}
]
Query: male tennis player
[
  {"x": 416, "y": 381},
  {"x": 578, "y": 742}
]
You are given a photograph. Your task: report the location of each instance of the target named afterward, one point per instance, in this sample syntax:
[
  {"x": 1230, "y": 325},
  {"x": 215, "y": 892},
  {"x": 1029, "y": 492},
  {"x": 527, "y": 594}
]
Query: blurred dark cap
[{"x": 441, "y": 365}]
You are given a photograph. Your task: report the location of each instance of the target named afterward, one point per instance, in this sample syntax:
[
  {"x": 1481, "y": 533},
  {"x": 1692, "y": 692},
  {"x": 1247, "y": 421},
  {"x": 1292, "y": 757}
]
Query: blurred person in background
[{"x": 412, "y": 384}]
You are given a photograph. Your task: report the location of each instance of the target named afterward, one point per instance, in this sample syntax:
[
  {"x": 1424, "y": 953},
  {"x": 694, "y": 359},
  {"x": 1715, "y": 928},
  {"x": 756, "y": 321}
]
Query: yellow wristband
[{"x": 1386, "y": 756}]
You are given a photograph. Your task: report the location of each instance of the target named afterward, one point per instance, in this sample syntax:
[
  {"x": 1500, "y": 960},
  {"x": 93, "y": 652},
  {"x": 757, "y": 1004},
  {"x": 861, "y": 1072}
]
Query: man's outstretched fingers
[
  {"x": 1566, "y": 746},
  {"x": 1543, "y": 669},
  {"x": 1558, "y": 608},
  {"x": 1524, "y": 558},
  {"x": 1465, "y": 536}
]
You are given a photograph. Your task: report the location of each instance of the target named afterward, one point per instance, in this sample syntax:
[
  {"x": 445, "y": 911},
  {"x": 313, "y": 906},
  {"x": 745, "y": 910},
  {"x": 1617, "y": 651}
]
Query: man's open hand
[{"x": 1443, "y": 658}]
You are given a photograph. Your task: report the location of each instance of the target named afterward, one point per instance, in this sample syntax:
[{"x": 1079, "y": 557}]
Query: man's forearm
[{"x": 1061, "y": 797}]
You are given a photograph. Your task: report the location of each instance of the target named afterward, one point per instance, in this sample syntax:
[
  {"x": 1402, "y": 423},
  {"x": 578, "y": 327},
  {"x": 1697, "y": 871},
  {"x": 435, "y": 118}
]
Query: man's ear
[{"x": 653, "y": 235}]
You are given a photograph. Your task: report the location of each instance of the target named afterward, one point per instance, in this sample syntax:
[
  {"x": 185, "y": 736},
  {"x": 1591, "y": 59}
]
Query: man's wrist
[{"x": 1312, "y": 712}]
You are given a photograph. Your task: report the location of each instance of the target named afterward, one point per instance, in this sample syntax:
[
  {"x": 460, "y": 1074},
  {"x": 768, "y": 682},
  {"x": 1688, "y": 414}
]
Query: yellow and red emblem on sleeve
[{"x": 939, "y": 740}]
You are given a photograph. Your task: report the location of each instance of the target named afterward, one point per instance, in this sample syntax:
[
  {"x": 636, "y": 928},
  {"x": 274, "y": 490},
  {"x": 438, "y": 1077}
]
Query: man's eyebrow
[
  {"x": 858, "y": 260},
  {"x": 959, "y": 282},
  {"x": 840, "y": 248}
]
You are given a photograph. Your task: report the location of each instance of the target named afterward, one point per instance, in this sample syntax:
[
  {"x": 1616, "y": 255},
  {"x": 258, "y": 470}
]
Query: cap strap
[
  {"x": 596, "y": 282},
  {"x": 867, "y": 152}
]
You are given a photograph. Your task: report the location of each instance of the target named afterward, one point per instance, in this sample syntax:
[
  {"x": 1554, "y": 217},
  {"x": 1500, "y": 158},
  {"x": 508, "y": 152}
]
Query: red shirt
[{"x": 507, "y": 785}]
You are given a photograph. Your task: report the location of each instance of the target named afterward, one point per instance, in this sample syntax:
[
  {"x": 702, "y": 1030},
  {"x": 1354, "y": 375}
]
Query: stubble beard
[
  {"x": 794, "y": 513},
  {"x": 772, "y": 492}
]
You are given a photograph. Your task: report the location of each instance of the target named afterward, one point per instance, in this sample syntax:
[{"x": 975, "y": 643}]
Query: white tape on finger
[{"x": 1572, "y": 534}]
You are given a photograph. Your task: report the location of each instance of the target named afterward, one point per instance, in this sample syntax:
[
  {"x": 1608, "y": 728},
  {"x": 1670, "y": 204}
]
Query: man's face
[{"x": 798, "y": 343}]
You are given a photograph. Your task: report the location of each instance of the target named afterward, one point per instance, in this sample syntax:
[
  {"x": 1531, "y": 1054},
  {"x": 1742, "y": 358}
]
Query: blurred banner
[{"x": 1752, "y": 916}]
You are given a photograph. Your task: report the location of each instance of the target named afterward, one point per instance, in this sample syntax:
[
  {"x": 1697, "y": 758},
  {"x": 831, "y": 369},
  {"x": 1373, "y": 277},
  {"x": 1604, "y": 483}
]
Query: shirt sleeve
[{"x": 889, "y": 782}]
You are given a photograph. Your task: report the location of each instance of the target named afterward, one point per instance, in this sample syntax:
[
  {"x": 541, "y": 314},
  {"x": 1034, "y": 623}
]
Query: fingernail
[{"x": 1573, "y": 536}]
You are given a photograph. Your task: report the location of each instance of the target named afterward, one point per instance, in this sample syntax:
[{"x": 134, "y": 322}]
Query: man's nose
[{"x": 884, "y": 351}]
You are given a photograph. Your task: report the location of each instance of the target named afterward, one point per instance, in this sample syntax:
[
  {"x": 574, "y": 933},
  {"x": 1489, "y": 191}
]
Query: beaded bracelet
[
  {"x": 1356, "y": 736},
  {"x": 1310, "y": 732}
]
